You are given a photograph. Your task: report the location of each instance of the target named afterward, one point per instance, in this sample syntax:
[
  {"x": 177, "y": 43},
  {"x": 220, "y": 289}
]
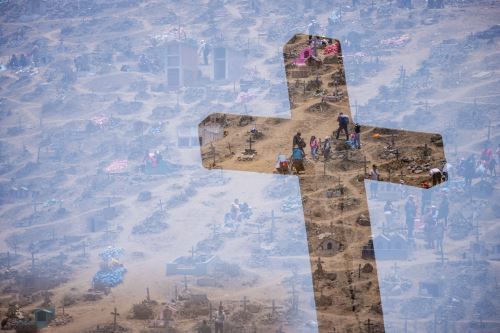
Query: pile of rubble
[
  {"x": 15, "y": 317},
  {"x": 110, "y": 328},
  {"x": 291, "y": 203},
  {"x": 152, "y": 224},
  {"x": 61, "y": 320}
]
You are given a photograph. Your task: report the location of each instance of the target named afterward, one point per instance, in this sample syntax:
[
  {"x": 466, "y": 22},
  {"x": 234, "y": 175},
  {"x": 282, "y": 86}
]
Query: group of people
[
  {"x": 152, "y": 160},
  {"x": 323, "y": 147},
  {"x": 482, "y": 167},
  {"x": 238, "y": 212},
  {"x": 434, "y": 219}
]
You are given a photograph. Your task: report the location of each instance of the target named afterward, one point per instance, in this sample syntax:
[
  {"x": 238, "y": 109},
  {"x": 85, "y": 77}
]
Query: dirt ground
[{"x": 51, "y": 145}]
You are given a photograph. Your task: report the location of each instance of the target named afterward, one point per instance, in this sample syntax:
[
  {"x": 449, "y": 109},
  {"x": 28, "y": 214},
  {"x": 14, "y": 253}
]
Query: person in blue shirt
[{"x": 298, "y": 159}]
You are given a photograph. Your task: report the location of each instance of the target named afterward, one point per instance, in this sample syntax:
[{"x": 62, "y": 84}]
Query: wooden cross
[
  {"x": 114, "y": 313},
  {"x": 272, "y": 225},
  {"x": 295, "y": 299},
  {"x": 274, "y": 308},
  {"x": 315, "y": 123},
  {"x": 192, "y": 251},
  {"x": 395, "y": 268},
  {"x": 369, "y": 325},
  {"x": 244, "y": 303}
]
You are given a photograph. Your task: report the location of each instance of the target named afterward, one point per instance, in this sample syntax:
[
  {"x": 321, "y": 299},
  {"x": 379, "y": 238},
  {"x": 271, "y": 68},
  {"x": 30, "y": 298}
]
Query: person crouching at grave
[
  {"x": 298, "y": 159},
  {"x": 436, "y": 175},
  {"x": 343, "y": 121},
  {"x": 220, "y": 317}
]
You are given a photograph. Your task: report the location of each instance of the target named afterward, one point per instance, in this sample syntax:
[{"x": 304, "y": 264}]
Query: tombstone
[
  {"x": 435, "y": 4},
  {"x": 187, "y": 137},
  {"x": 434, "y": 289},
  {"x": 391, "y": 246},
  {"x": 328, "y": 246},
  {"x": 227, "y": 63},
  {"x": 43, "y": 317},
  {"x": 181, "y": 64}
]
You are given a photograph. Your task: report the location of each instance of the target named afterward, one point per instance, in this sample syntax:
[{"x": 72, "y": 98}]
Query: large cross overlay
[{"x": 317, "y": 94}]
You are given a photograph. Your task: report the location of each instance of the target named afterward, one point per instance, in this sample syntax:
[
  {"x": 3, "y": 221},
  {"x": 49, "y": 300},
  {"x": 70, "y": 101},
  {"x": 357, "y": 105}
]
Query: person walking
[
  {"x": 326, "y": 148},
  {"x": 439, "y": 228},
  {"x": 314, "y": 144},
  {"x": 444, "y": 210},
  {"x": 375, "y": 177},
  {"x": 343, "y": 121},
  {"x": 357, "y": 136},
  {"x": 410, "y": 212},
  {"x": 220, "y": 317},
  {"x": 298, "y": 141}
]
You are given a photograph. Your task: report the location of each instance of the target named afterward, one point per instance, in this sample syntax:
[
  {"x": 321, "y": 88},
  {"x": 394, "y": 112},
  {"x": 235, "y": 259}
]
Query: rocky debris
[
  {"x": 417, "y": 307},
  {"x": 142, "y": 311},
  {"x": 245, "y": 120},
  {"x": 394, "y": 285},
  {"x": 144, "y": 196},
  {"x": 108, "y": 328},
  {"x": 459, "y": 226},
  {"x": 291, "y": 204},
  {"x": 335, "y": 192},
  {"x": 367, "y": 268},
  {"x": 324, "y": 300},
  {"x": 485, "y": 308},
  {"x": 92, "y": 296},
  {"x": 14, "y": 318},
  {"x": 437, "y": 140},
  {"x": 61, "y": 320},
  {"x": 418, "y": 168},
  {"x": 151, "y": 225},
  {"x": 363, "y": 220},
  {"x": 331, "y": 276}
]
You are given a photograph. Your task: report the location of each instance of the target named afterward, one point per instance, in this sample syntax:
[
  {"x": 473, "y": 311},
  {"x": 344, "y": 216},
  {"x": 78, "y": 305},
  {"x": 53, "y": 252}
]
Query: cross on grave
[
  {"x": 395, "y": 268},
  {"x": 369, "y": 325},
  {"x": 185, "y": 280},
  {"x": 295, "y": 299},
  {"x": 259, "y": 234},
  {"x": 271, "y": 232},
  {"x": 32, "y": 250},
  {"x": 274, "y": 308},
  {"x": 192, "y": 251},
  {"x": 214, "y": 230},
  {"x": 302, "y": 120},
  {"x": 250, "y": 150},
  {"x": 115, "y": 314},
  {"x": 244, "y": 303}
]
